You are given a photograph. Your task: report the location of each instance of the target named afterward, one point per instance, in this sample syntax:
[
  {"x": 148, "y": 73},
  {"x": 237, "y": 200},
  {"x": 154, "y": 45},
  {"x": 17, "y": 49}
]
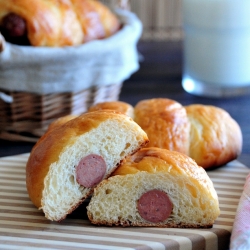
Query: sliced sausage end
[
  {"x": 90, "y": 170},
  {"x": 154, "y": 206}
]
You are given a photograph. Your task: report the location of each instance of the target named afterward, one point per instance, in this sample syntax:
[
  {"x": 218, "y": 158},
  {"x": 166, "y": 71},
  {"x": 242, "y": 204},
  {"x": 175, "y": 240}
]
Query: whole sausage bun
[
  {"x": 215, "y": 137},
  {"x": 156, "y": 187},
  {"x": 70, "y": 160},
  {"x": 118, "y": 106},
  {"x": 55, "y": 23}
]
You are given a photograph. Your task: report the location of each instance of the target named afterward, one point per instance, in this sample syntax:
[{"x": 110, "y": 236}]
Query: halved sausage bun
[
  {"x": 71, "y": 159},
  {"x": 156, "y": 187}
]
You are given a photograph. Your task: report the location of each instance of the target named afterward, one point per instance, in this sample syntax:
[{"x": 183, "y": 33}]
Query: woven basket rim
[{"x": 24, "y": 120}]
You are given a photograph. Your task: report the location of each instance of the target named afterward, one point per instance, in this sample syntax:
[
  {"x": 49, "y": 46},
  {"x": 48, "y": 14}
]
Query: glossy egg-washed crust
[
  {"x": 166, "y": 123},
  {"x": 60, "y": 121},
  {"x": 215, "y": 138},
  {"x": 59, "y": 23},
  {"x": 49, "y": 147},
  {"x": 118, "y": 106},
  {"x": 155, "y": 160}
]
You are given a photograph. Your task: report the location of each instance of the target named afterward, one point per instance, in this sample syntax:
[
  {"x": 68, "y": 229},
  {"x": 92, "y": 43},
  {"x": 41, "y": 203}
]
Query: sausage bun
[{"x": 55, "y": 23}]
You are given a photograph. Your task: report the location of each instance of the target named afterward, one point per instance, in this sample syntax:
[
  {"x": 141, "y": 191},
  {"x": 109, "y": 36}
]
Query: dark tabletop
[{"x": 160, "y": 76}]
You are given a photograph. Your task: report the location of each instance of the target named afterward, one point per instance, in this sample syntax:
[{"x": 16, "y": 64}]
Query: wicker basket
[{"x": 25, "y": 115}]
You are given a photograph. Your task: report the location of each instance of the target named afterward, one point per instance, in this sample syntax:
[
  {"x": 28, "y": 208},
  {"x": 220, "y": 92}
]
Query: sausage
[
  {"x": 13, "y": 28},
  {"x": 154, "y": 206},
  {"x": 90, "y": 170}
]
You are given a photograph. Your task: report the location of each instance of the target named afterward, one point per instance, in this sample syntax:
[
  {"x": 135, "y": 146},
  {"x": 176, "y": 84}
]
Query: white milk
[{"x": 217, "y": 41}]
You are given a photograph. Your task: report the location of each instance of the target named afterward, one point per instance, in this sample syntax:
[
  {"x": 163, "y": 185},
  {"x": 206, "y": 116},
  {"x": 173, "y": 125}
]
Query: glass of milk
[{"x": 216, "y": 47}]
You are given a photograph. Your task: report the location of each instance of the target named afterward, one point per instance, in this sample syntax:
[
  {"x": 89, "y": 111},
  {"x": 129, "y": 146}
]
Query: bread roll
[
  {"x": 69, "y": 161},
  {"x": 55, "y": 23},
  {"x": 118, "y": 106},
  {"x": 156, "y": 187},
  {"x": 215, "y": 137},
  {"x": 166, "y": 123}
]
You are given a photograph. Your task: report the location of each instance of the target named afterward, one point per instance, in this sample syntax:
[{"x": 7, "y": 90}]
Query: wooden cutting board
[{"x": 23, "y": 226}]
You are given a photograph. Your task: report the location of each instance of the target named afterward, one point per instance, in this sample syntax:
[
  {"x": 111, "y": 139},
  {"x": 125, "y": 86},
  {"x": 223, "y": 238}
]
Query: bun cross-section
[{"x": 156, "y": 187}]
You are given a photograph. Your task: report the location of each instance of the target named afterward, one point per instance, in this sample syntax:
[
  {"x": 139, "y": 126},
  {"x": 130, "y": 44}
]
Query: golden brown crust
[
  {"x": 60, "y": 22},
  {"x": 118, "y": 106},
  {"x": 60, "y": 121},
  {"x": 215, "y": 138},
  {"x": 154, "y": 160},
  {"x": 48, "y": 148},
  {"x": 47, "y": 21},
  {"x": 96, "y": 20},
  {"x": 165, "y": 122}
]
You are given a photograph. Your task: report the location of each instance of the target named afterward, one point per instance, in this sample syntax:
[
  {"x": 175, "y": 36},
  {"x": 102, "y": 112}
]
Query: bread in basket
[{"x": 39, "y": 84}]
